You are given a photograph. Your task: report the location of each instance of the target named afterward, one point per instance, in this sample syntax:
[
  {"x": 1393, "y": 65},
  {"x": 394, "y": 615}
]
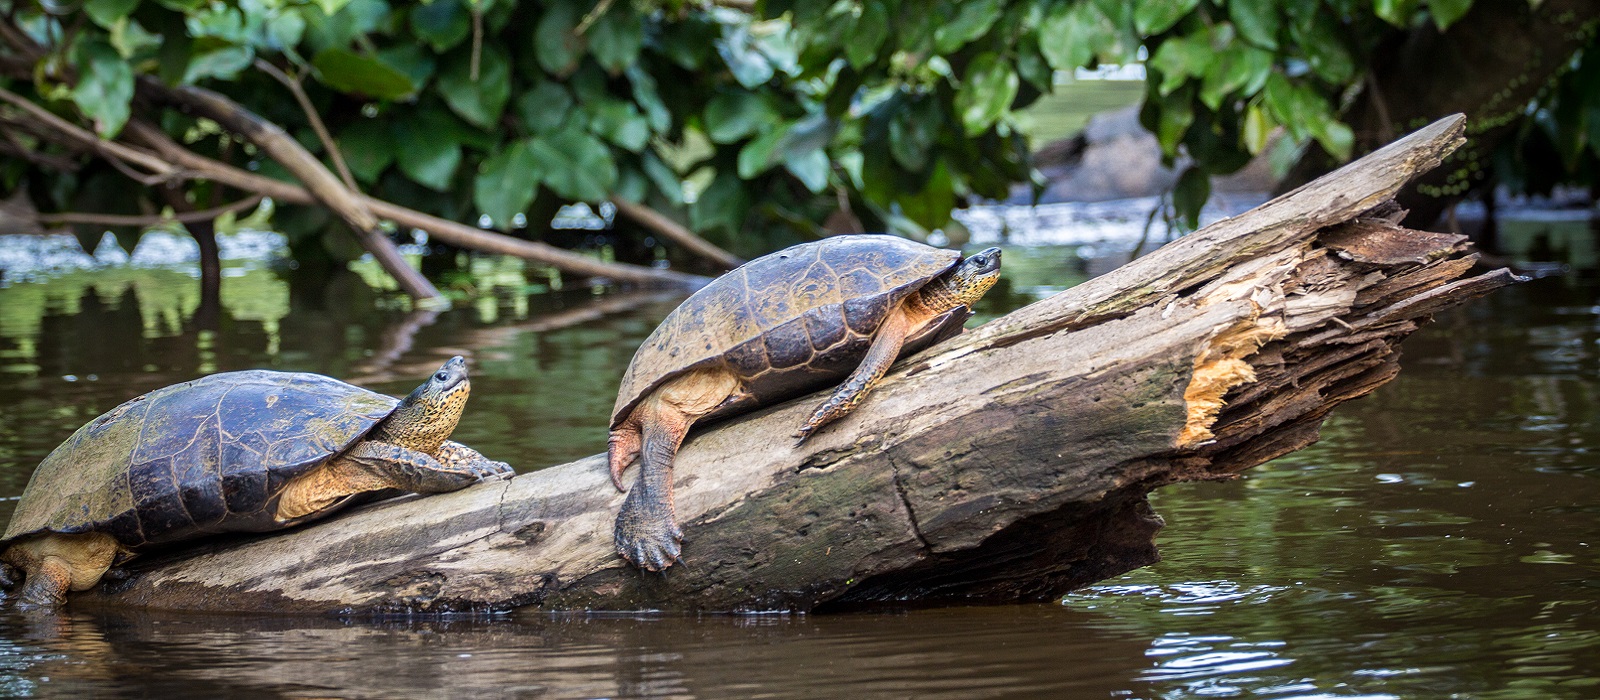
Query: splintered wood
[{"x": 1010, "y": 463}]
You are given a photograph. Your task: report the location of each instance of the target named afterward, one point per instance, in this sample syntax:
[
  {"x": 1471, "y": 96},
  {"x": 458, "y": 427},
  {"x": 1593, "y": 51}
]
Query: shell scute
[
  {"x": 800, "y": 297},
  {"x": 200, "y": 456}
]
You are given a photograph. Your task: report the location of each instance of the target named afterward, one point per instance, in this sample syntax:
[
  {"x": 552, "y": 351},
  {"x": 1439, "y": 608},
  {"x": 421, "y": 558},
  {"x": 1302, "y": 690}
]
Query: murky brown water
[{"x": 1441, "y": 541}]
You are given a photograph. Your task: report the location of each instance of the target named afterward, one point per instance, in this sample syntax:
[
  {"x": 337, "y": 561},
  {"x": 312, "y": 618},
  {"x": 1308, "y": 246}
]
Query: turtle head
[
  {"x": 425, "y": 419},
  {"x": 975, "y": 275}
]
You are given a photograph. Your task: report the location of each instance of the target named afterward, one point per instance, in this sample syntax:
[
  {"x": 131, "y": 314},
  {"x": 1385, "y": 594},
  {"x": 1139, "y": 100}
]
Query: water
[{"x": 1441, "y": 540}]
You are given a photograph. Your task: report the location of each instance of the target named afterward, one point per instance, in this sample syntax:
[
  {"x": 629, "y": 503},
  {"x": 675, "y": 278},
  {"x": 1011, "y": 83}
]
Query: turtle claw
[
  {"x": 493, "y": 471},
  {"x": 654, "y": 555}
]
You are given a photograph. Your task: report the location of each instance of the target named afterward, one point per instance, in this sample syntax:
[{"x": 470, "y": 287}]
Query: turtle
[
  {"x": 779, "y": 326},
  {"x": 246, "y": 451}
]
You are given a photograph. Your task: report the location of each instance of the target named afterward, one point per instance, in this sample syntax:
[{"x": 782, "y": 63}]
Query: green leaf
[
  {"x": 413, "y": 60},
  {"x": 1257, "y": 129},
  {"x": 544, "y": 107},
  {"x": 1181, "y": 58},
  {"x": 616, "y": 37},
  {"x": 286, "y": 28},
  {"x": 745, "y": 60},
  {"x": 129, "y": 38},
  {"x": 1189, "y": 196},
  {"x": 104, "y": 88},
  {"x": 1156, "y": 16},
  {"x": 350, "y": 72},
  {"x": 332, "y": 7},
  {"x": 811, "y": 168},
  {"x": 480, "y": 101},
  {"x": 1336, "y": 138},
  {"x": 428, "y": 156},
  {"x": 555, "y": 43},
  {"x": 1446, "y": 12},
  {"x": 868, "y": 33},
  {"x": 760, "y": 154},
  {"x": 1069, "y": 35},
  {"x": 621, "y": 123},
  {"x": 107, "y": 13},
  {"x": 507, "y": 182},
  {"x": 722, "y": 205},
  {"x": 1176, "y": 114},
  {"x": 911, "y": 134},
  {"x": 734, "y": 115},
  {"x": 1324, "y": 49},
  {"x": 224, "y": 63},
  {"x": 648, "y": 99},
  {"x": 441, "y": 23},
  {"x": 972, "y": 20},
  {"x": 986, "y": 92},
  {"x": 1256, "y": 20},
  {"x": 1395, "y": 12},
  {"x": 662, "y": 176},
  {"x": 576, "y": 165},
  {"x": 1241, "y": 69},
  {"x": 368, "y": 147},
  {"x": 931, "y": 206}
]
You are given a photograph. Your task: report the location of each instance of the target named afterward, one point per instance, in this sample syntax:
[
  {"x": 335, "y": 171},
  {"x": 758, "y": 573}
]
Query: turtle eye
[{"x": 441, "y": 376}]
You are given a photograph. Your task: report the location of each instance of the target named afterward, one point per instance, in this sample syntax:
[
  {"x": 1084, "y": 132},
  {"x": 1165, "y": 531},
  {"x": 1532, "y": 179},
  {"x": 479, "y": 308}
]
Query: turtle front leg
[
  {"x": 370, "y": 466},
  {"x": 885, "y": 348},
  {"x": 458, "y": 456}
]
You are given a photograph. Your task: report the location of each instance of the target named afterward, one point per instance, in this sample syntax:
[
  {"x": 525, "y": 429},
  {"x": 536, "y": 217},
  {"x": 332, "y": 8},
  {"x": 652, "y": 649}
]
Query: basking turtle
[
  {"x": 245, "y": 451},
  {"x": 777, "y": 327}
]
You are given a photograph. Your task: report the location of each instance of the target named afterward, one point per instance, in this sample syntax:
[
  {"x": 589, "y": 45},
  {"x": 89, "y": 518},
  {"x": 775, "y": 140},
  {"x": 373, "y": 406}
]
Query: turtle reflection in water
[
  {"x": 780, "y": 326},
  {"x": 248, "y": 451}
]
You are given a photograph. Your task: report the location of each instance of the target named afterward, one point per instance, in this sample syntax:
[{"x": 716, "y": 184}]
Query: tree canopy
[{"x": 751, "y": 123}]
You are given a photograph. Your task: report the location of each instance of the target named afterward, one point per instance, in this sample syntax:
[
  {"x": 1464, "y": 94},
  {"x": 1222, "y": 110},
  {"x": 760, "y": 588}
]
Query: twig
[
  {"x": 312, "y": 116},
  {"x": 107, "y": 149},
  {"x": 593, "y": 16},
  {"x": 12, "y": 147},
  {"x": 477, "y": 42},
  {"x": 672, "y": 230},
  {"x": 188, "y": 217}
]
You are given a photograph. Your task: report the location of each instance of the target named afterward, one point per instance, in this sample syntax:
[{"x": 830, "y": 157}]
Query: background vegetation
[{"x": 753, "y": 124}]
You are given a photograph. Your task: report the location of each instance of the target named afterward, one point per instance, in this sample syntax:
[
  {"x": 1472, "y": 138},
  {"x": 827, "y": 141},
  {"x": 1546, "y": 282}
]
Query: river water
[{"x": 1442, "y": 539}]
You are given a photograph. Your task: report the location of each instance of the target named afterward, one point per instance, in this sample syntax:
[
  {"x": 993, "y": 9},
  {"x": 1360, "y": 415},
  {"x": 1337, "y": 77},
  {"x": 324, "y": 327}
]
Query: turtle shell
[
  {"x": 209, "y": 455},
  {"x": 792, "y": 321}
]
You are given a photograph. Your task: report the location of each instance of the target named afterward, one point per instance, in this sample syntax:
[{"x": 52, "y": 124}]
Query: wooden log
[{"x": 1012, "y": 463}]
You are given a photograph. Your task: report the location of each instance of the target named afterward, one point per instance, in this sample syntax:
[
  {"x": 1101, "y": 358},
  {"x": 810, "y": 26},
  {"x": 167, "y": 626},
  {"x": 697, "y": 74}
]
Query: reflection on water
[{"x": 1440, "y": 541}]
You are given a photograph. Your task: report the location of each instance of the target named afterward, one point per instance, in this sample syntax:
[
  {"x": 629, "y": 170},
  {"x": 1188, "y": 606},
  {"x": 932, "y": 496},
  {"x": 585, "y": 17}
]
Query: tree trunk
[
  {"x": 1011, "y": 463},
  {"x": 1489, "y": 65}
]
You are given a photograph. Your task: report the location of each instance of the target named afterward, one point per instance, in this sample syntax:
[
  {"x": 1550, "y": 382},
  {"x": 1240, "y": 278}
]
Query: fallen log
[{"x": 1012, "y": 463}]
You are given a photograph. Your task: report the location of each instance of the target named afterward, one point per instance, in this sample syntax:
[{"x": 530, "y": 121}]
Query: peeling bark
[{"x": 1011, "y": 463}]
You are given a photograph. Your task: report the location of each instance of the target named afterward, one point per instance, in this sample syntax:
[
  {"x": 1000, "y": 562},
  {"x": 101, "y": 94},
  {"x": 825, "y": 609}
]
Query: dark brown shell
[
  {"x": 209, "y": 455},
  {"x": 789, "y": 322}
]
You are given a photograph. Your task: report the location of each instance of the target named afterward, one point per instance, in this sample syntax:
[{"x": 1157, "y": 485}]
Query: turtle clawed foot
[
  {"x": 652, "y": 546},
  {"x": 493, "y": 471}
]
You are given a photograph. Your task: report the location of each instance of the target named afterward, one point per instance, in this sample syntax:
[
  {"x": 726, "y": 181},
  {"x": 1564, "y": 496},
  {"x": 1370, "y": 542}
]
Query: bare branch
[
  {"x": 321, "y": 183},
  {"x": 188, "y": 217},
  {"x": 675, "y": 232},
  {"x": 451, "y": 232}
]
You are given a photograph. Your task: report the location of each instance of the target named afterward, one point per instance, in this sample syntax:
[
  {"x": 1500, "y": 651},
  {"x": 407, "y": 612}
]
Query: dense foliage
[{"x": 784, "y": 112}]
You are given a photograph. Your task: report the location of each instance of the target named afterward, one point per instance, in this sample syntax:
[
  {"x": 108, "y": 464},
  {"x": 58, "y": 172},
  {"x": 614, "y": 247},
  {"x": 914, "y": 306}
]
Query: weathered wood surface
[{"x": 1011, "y": 463}]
